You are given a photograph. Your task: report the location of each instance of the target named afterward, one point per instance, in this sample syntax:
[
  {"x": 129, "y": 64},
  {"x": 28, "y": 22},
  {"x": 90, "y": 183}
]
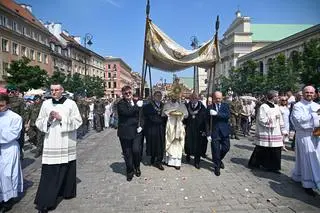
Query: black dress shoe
[
  {"x": 197, "y": 165},
  {"x": 129, "y": 176},
  {"x": 217, "y": 171},
  {"x": 310, "y": 192},
  {"x": 177, "y": 167},
  {"x": 237, "y": 138},
  {"x": 159, "y": 166},
  {"x": 221, "y": 165},
  {"x": 188, "y": 158},
  {"x": 138, "y": 172}
]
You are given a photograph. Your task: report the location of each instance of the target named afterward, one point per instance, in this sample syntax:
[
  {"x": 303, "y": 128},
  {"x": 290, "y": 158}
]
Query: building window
[
  {"x": 14, "y": 26},
  {"x": 24, "y": 51},
  {"x": 114, "y": 75},
  {"x": 24, "y": 31},
  {"x": 261, "y": 67},
  {"x": 15, "y": 49},
  {"x": 28, "y": 32},
  {"x": 114, "y": 84},
  {"x": 39, "y": 57},
  {"x": 109, "y": 85},
  {"x": 3, "y": 21},
  {"x": 5, "y": 66},
  {"x": 32, "y": 55},
  {"x": 5, "y": 45},
  {"x": 115, "y": 67},
  {"x": 52, "y": 46},
  {"x": 46, "y": 59},
  {"x": 109, "y": 75},
  {"x": 109, "y": 66}
]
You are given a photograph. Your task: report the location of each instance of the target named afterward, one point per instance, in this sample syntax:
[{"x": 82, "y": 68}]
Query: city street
[{"x": 102, "y": 185}]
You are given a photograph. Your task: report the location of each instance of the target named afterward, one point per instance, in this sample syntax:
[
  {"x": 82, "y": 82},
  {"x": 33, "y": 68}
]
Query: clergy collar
[
  {"x": 59, "y": 101},
  {"x": 305, "y": 101},
  {"x": 271, "y": 105},
  {"x": 195, "y": 105}
]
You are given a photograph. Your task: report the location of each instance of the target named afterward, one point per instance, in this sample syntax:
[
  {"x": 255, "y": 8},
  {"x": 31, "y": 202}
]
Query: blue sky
[{"x": 118, "y": 26}]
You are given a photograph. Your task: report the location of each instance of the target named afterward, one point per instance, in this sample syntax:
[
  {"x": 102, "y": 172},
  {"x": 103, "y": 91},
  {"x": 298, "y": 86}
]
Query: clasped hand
[{"x": 54, "y": 115}]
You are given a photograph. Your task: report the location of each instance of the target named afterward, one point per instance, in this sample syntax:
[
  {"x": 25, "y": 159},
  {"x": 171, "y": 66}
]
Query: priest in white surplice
[
  {"x": 59, "y": 119},
  {"x": 175, "y": 131},
  {"x": 11, "y": 180},
  {"x": 305, "y": 118}
]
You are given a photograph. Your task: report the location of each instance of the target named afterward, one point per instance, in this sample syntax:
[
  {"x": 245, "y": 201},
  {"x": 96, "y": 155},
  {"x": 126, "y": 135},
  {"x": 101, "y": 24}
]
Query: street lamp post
[
  {"x": 87, "y": 41},
  {"x": 194, "y": 45}
]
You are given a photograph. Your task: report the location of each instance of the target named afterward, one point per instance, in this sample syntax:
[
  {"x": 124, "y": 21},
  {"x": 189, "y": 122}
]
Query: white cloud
[{"x": 113, "y": 2}]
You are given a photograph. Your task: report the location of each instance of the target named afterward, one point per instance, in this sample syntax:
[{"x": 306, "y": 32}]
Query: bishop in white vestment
[
  {"x": 11, "y": 179},
  {"x": 307, "y": 166},
  {"x": 59, "y": 119},
  {"x": 175, "y": 132}
]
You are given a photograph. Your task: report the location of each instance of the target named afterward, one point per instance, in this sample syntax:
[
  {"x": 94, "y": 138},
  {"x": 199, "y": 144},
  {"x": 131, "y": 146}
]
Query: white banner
[{"x": 165, "y": 54}]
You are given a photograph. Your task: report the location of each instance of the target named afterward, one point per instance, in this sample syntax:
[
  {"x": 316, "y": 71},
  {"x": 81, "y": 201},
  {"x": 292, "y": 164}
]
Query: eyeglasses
[
  {"x": 55, "y": 90},
  {"x": 283, "y": 100}
]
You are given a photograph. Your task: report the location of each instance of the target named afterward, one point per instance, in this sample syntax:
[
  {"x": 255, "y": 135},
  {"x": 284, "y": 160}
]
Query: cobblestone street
[{"x": 102, "y": 185}]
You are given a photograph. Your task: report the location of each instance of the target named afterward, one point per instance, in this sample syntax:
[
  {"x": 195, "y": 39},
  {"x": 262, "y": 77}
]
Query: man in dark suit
[
  {"x": 129, "y": 131},
  {"x": 219, "y": 131}
]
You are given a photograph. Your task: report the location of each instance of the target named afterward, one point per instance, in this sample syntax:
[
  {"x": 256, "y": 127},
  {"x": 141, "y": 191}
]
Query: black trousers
[
  {"x": 57, "y": 180},
  {"x": 204, "y": 145},
  {"x": 131, "y": 149},
  {"x": 219, "y": 149}
]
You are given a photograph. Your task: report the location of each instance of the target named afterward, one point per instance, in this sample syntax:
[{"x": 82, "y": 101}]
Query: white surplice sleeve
[
  {"x": 11, "y": 133},
  {"x": 263, "y": 118},
  {"x": 301, "y": 119},
  {"x": 184, "y": 111},
  {"x": 42, "y": 120},
  {"x": 72, "y": 121}
]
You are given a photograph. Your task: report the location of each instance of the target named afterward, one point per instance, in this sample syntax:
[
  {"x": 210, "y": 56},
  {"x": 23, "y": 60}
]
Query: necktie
[{"x": 218, "y": 107}]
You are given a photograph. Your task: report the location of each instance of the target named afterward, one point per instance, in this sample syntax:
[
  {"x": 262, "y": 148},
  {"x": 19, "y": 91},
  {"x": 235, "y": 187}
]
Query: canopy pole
[
  {"x": 214, "y": 67},
  {"x": 144, "y": 76},
  {"x": 151, "y": 92},
  {"x": 143, "y": 82}
]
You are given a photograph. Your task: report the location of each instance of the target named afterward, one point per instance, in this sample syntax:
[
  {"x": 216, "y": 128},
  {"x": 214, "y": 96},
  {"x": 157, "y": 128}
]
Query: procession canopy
[{"x": 163, "y": 53}]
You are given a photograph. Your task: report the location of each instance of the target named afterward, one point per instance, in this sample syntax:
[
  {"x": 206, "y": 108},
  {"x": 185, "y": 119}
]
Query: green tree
[
  {"x": 94, "y": 86},
  {"x": 75, "y": 84},
  {"x": 281, "y": 75},
  {"x": 310, "y": 66},
  {"x": 245, "y": 79},
  {"x": 58, "y": 77},
  {"x": 26, "y": 77}
]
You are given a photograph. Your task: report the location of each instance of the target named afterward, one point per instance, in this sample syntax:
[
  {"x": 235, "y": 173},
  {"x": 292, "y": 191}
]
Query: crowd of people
[{"x": 168, "y": 126}]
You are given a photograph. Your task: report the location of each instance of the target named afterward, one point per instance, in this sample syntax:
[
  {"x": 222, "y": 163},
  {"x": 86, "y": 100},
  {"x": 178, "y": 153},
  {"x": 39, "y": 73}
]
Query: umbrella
[
  {"x": 3, "y": 90},
  {"x": 35, "y": 92},
  {"x": 246, "y": 97}
]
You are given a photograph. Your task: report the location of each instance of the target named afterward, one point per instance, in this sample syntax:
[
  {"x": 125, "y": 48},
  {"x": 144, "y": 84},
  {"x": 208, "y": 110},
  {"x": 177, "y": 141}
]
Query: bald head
[
  {"x": 217, "y": 97},
  {"x": 308, "y": 93}
]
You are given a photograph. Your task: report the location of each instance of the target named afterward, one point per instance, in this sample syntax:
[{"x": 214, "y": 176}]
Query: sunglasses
[{"x": 128, "y": 93}]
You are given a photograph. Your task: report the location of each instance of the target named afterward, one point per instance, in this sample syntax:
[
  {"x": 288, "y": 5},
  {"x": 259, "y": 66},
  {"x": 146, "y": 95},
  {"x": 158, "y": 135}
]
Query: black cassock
[
  {"x": 154, "y": 129},
  {"x": 195, "y": 127}
]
